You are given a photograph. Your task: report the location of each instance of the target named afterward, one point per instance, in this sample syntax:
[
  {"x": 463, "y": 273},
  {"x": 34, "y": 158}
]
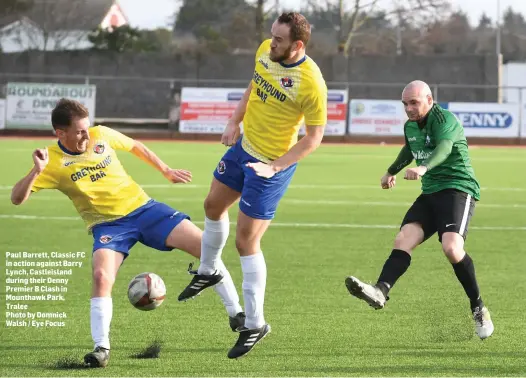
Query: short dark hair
[
  {"x": 65, "y": 111},
  {"x": 299, "y": 26}
]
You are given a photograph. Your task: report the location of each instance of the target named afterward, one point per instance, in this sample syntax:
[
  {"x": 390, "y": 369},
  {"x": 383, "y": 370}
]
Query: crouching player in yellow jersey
[
  {"x": 84, "y": 166},
  {"x": 287, "y": 88}
]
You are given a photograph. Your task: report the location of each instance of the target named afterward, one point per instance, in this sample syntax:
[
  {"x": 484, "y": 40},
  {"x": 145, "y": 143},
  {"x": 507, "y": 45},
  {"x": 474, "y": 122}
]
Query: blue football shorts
[
  {"x": 259, "y": 196},
  {"x": 150, "y": 224}
]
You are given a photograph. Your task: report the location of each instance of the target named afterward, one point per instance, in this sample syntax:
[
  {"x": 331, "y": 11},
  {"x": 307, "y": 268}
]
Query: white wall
[{"x": 514, "y": 75}]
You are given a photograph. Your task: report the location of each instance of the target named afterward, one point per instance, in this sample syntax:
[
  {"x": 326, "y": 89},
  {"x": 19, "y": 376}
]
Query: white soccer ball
[{"x": 146, "y": 291}]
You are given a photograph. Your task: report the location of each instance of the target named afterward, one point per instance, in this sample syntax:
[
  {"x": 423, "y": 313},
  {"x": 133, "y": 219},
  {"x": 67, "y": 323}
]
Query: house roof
[
  {"x": 52, "y": 15},
  {"x": 7, "y": 20}
]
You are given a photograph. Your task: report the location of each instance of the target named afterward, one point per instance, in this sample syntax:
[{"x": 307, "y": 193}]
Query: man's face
[
  {"x": 76, "y": 137},
  {"x": 416, "y": 105},
  {"x": 281, "y": 47}
]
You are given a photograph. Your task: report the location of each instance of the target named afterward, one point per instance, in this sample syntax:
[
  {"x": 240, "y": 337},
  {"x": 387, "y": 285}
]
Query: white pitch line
[
  {"x": 295, "y": 201},
  {"x": 276, "y": 224},
  {"x": 306, "y": 186},
  {"x": 320, "y": 155}
]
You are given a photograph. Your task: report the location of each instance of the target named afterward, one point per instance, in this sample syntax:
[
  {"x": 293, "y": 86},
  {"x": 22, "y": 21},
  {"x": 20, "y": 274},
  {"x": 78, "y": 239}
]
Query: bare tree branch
[
  {"x": 402, "y": 8},
  {"x": 357, "y": 21}
]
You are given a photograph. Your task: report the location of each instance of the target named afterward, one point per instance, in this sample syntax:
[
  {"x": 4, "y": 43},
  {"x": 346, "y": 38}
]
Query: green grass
[{"x": 318, "y": 329}]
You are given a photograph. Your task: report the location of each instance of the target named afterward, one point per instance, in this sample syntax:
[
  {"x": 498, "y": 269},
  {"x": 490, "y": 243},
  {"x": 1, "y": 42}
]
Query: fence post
[
  {"x": 521, "y": 114},
  {"x": 86, "y": 80},
  {"x": 435, "y": 92},
  {"x": 347, "y": 110}
]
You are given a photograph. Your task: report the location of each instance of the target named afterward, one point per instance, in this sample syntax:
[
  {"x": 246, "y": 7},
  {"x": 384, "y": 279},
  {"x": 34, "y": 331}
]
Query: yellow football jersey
[
  {"x": 95, "y": 180},
  {"x": 282, "y": 97}
]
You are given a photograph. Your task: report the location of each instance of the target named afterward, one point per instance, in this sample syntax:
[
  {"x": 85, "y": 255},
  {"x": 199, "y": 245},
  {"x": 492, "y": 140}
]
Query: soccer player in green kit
[{"x": 434, "y": 137}]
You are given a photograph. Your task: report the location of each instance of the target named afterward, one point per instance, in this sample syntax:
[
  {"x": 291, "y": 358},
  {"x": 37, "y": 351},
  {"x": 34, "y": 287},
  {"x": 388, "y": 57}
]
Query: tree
[
  {"x": 459, "y": 33},
  {"x": 241, "y": 30},
  {"x": 51, "y": 24},
  {"x": 513, "y": 35},
  {"x": 125, "y": 38},
  {"x": 484, "y": 22},
  {"x": 194, "y": 14},
  {"x": 352, "y": 15},
  {"x": 13, "y": 7},
  {"x": 266, "y": 10},
  {"x": 217, "y": 24}
]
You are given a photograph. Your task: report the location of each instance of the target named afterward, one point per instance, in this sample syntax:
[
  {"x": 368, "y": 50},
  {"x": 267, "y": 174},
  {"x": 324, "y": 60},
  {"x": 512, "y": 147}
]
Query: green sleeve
[
  {"x": 449, "y": 129},
  {"x": 440, "y": 154},
  {"x": 405, "y": 157}
]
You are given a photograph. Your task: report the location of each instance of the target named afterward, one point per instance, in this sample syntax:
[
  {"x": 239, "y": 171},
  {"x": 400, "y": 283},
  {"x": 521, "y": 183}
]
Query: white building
[{"x": 51, "y": 25}]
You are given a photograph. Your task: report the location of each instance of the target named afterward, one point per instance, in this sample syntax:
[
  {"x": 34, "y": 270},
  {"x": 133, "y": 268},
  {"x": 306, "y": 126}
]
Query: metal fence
[{"x": 149, "y": 98}]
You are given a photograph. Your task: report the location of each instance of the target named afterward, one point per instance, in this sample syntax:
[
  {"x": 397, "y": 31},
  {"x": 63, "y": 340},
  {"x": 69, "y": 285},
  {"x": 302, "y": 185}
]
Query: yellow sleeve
[
  {"x": 45, "y": 180},
  {"x": 117, "y": 140},
  {"x": 314, "y": 104},
  {"x": 265, "y": 45}
]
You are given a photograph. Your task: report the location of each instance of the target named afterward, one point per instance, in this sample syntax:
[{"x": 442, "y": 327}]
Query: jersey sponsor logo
[
  {"x": 84, "y": 172},
  {"x": 68, "y": 163},
  {"x": 286, "y": 82},
  {"x": 105, "y": 239},
  {"x": 263, "y": 63},
  {"x": 494, "y": 120},
  {"x": 412, "y": 139},
  {"x": 428, "y": 141},
  {"x": 98, "y": 148},
  {"x": 266, "y": 89},
  {"x": 221, "y": 167},
  {"x": 421, "y": 155}
]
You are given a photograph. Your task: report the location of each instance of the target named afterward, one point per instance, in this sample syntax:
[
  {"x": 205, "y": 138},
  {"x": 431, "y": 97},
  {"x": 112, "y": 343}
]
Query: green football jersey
[{"x": 456, "y": 171}]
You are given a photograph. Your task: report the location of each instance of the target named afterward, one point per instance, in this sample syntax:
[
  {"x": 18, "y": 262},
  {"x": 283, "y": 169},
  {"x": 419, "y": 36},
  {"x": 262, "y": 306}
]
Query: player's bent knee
[
  {"x": 186, "y": 236},
  {"x": 409, "y": 237},
  {"x": 402, "y": 243},
  {"x": 247, "y": 247},
  {"x": 212, "y": 210},
  {"x": 101, "y": 278},
  {"x": 453, "y": 247}
]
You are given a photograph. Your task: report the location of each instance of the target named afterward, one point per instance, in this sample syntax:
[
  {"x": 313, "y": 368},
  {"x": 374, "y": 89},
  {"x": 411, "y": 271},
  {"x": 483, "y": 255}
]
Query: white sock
[
  {"x": 101, "y": 313},
  {"x": 214, "y": 239},
  {"x": 254, "y": 283},
  {"x": 227, "y": 291}
]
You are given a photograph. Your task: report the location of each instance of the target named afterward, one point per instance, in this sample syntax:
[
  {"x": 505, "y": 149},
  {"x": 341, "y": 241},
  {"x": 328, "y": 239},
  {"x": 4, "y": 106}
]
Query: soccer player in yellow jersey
[
  {"x": 118, "y": 213},
  {"x": 287, "y": 88}
]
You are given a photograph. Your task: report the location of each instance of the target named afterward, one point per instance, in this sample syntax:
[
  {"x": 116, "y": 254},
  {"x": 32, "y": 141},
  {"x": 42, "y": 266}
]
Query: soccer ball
[{"x": 146, "y": 291}]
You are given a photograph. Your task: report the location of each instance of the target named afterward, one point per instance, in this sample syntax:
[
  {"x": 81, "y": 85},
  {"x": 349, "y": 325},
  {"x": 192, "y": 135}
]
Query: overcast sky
[{"x": 158, "y": 13}]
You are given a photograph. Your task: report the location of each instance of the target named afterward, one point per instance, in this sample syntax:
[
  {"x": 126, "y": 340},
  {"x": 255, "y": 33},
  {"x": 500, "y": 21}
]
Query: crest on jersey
[
  {"x": 428, "y": 140},
  {"x": 286, "y": 82},
  {"x": 221, "y": 167},
  {"x": 105, "y": 239},
  {"x": 98, "y": 148}
]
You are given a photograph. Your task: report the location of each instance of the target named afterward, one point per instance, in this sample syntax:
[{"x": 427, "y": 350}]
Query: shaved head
[
  {"x": 419, "y": 88},
  {"x": 417, "y": 99}
]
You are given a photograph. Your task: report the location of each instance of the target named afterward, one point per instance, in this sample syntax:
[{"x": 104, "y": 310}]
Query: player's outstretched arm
[
  {"x": 22, "y": 189},
  {"x": 147, "y": 155},
  {"x": 233, "y": 130},
  {"x": 307, "y": 144}
]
